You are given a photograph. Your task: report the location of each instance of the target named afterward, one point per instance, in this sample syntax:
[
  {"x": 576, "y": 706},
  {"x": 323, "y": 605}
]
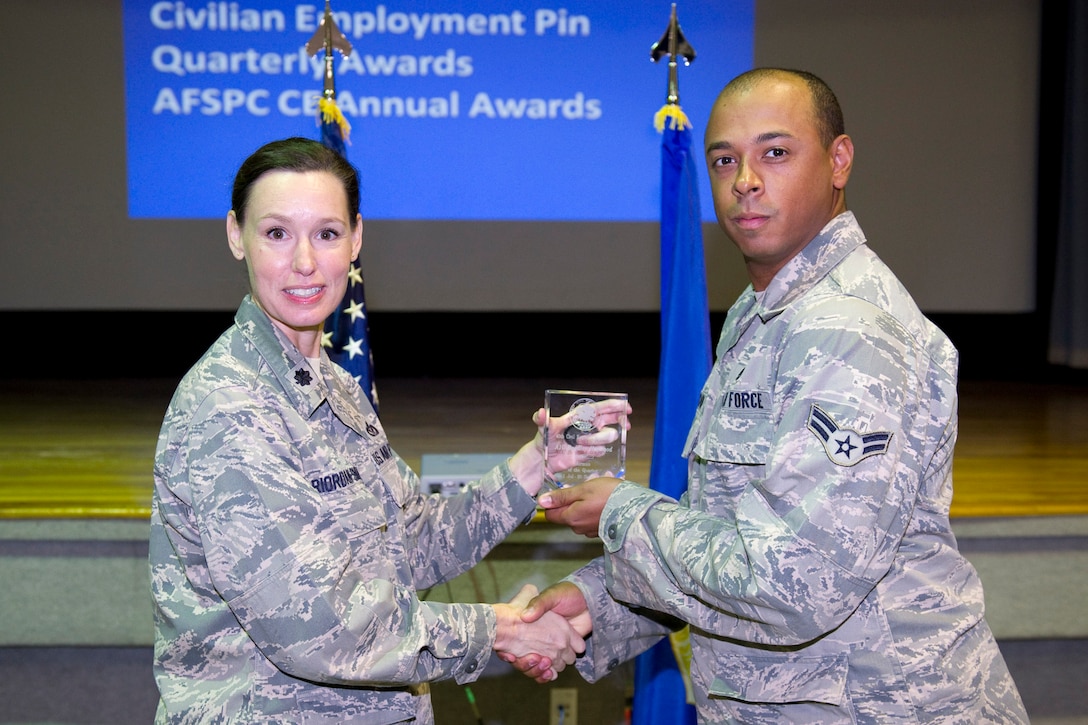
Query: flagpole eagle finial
[
  {"x": 328, "y": 38},
  {"x": 673, "y": 44}
]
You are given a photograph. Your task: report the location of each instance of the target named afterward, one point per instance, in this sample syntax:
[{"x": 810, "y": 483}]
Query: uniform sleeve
[
  {"x": 308, "y": 577},
  {"x": 815, "y": 504},
  {"x": 620, "y": 633},
  {"x": 449, "y": 535}
]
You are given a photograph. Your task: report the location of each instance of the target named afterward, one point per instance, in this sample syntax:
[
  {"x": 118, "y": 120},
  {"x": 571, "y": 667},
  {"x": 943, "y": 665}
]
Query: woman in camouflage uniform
[{"x": 288, "y": 540}]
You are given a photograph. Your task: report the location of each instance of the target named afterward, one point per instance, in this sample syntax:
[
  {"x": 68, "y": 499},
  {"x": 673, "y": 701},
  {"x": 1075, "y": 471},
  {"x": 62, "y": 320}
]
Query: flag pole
[
  {"x": 663, "y": 690},
  {"x": 347, "y": 333},
  {"x": 674, "y": 45},
  {"x": 335, "y": 129}
]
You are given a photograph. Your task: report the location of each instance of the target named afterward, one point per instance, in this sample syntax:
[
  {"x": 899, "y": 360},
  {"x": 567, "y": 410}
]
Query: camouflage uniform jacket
[
  {"x": 812, "y": 554},
  {"x": 288, "y": 542}
]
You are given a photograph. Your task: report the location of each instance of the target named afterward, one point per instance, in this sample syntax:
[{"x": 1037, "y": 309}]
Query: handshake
[{"x": 540, "y": 633}]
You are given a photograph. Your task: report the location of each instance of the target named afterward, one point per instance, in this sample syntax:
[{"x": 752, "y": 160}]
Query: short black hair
[{"x": 825, "y": 105}]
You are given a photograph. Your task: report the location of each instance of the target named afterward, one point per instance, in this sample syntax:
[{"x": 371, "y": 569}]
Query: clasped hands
[
  {"x": 560, "y": 606},
  {"x": 542, "y": 640},
  {"x": 578, "y": 507},
  {"x": 541, "y": 633}
]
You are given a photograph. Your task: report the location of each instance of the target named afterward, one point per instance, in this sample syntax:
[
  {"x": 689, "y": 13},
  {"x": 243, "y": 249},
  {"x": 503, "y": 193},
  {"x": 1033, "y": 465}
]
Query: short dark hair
[
  {"x": 293, "y": 154},
  {"x": 825, "y": 105}
]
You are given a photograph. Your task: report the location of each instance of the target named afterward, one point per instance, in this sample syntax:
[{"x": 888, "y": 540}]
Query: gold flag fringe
[
  {"x": 681, "y": 650},
  {"x": 331, "y": 113},
  {"x": 673, "y": 112}
]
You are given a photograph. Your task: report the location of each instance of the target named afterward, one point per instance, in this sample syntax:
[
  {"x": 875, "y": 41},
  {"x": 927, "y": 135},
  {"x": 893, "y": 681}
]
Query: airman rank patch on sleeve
[{"x": 843, "y": 446}]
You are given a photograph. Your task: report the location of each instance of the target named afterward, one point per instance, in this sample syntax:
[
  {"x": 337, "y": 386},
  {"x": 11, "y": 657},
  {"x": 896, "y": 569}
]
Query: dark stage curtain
[{"x": 1063, "y": 180}]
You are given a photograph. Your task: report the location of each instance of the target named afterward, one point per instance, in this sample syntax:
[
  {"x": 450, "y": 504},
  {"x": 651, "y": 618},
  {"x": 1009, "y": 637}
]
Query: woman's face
[{"x": 298, "y": 243}]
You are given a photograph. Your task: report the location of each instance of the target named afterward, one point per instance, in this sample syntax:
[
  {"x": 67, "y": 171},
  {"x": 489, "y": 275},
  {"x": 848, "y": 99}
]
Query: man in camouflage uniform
[{"x": 812, "y": 554}]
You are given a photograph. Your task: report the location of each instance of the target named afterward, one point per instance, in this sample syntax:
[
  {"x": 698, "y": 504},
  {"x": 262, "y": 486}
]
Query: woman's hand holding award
[{"x": 585, "y": 436}]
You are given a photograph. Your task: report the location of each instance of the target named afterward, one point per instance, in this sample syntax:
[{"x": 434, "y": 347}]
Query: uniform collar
[
  {"x": 836, "y": 240},
  {"x": 303, "y": 386}
]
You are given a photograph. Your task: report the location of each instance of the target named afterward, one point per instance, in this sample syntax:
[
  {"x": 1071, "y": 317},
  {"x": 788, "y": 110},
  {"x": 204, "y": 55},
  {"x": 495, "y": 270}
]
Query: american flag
[
  {"x": 347, "y": 335},
  {"x": 347, "y": 331}
]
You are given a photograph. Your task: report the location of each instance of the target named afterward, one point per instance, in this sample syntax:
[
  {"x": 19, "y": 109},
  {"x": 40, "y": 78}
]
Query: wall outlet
[{"x": 564, "y": 706}]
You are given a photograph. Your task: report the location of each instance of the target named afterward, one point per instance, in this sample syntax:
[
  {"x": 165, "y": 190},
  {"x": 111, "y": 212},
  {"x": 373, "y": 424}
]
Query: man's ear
[{"x": 842, "y": 161}]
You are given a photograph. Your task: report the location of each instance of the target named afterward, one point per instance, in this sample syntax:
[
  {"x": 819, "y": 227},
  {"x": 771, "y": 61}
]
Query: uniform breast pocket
[
  {"x": 741, "y": 440},
  {"x": 359, "y": 513},
  {"x": 365, "y": 536}
]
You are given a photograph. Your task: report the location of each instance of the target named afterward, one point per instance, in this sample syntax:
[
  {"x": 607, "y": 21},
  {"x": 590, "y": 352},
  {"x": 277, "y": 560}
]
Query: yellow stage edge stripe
[{"x": 76, "y": 512}]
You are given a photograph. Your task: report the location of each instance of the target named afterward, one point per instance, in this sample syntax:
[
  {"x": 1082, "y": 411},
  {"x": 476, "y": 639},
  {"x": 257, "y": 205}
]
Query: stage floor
[{"x": 84, "y": 449}]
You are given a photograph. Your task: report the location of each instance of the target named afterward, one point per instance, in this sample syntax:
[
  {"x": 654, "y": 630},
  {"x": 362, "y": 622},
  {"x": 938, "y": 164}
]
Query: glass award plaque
[{"x": 585, "y": 436}]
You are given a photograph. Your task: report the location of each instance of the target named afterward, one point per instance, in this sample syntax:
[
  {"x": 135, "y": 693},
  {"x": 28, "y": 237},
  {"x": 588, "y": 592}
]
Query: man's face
[{"x": 775, "y": 185}]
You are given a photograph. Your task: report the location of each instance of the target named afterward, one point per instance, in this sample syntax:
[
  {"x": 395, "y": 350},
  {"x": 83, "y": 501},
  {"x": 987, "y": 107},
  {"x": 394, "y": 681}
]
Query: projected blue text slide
[{"x": 486, "y": 110}]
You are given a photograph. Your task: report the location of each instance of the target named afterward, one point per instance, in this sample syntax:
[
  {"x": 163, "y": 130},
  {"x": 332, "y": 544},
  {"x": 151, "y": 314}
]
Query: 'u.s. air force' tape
[{"x": 845, "y": 447}]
